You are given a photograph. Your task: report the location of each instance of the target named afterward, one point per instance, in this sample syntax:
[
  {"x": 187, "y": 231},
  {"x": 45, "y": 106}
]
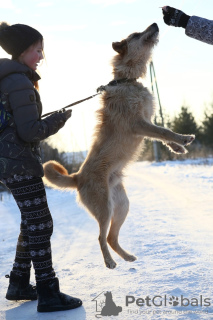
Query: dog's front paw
[
  {"x": 111, "y": 264},
  {"x": 176, "y": 148},
  {"x": 187, "y": 139}
]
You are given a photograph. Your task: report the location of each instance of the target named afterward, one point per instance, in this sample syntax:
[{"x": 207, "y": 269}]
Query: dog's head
[{"x": 134, "y": 52}]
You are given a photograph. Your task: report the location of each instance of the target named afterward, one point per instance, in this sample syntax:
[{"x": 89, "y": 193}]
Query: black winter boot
[
  {"x": 20, "y": 288},
  {"x": 51, "y": 299}
]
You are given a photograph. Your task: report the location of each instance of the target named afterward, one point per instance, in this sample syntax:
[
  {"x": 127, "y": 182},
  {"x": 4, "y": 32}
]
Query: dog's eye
[{"x": 136, "y": 36}]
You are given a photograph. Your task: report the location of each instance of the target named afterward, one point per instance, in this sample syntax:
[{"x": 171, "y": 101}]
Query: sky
[{"x": 78, "y": 36}]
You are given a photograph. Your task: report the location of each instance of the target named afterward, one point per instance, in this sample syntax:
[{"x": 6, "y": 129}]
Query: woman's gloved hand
[
  {"x": 68, "y": 114},
  {"x": 174, "y": 17},
  {"x": 65, "y": 113}
]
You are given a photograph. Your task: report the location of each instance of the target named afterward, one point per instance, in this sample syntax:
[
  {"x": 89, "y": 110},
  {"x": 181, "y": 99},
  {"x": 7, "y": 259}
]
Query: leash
[
  {"x": 99, "y": 91},
  {"x": 70, "y": 105}
]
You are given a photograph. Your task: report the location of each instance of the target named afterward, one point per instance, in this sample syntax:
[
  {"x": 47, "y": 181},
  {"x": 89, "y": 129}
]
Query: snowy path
[{"x": 169, "y": 228}]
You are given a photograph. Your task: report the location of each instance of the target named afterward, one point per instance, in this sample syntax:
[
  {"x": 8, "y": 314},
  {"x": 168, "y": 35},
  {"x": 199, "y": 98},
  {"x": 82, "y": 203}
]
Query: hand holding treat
[
  {"x": 164, "y": 8},
  {"x": 174, "y": 17},
  {"x": 195, "y": 27}
]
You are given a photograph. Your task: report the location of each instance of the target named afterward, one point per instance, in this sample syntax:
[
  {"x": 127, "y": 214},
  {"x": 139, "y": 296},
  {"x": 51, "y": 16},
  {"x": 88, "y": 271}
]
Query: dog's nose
[{"x": 155, "y": 25}]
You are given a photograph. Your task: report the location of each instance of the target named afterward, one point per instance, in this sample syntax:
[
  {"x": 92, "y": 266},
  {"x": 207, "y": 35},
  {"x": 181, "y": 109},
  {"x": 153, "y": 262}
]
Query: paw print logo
[{"x": 173, "y": 301}]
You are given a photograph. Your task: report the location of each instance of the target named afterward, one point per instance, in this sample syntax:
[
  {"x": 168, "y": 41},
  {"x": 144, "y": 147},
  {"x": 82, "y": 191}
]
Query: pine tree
[
  {"x": 185, "y": 123},
  {"x": 207, "y": 127}
]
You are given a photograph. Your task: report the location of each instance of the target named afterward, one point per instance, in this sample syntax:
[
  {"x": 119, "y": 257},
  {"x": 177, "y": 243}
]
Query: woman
[{"x": 21, "y": 168}]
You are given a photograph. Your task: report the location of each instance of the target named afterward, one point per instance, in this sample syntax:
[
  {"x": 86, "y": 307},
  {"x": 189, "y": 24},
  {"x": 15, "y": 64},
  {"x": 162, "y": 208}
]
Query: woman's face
[{"x": 32, "y": 56}]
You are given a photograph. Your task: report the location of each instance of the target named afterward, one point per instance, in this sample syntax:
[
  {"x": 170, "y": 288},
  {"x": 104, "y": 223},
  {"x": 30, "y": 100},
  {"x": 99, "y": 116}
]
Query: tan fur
[{"x": 123, "y": 121}]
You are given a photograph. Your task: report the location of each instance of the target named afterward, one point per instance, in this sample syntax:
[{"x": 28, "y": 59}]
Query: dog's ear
[{"x": 120, "y": 47}]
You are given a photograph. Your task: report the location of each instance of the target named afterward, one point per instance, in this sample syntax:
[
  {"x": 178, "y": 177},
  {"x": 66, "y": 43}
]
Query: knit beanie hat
[{"x": 16, "y": 38}]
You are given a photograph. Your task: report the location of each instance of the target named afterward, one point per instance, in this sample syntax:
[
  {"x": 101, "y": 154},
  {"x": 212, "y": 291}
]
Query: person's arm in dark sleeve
[
  {"x": 22, "y": 101},
  {"x": 195, "y": 27},
  {"x": 200, "y": 29}
]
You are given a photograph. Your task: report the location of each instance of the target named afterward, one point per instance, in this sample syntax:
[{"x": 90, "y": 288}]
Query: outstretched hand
[{"x": 174, "y": 17}]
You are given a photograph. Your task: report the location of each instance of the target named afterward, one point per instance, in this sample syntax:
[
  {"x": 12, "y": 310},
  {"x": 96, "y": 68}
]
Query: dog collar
[{"x": 115, "y": 83}]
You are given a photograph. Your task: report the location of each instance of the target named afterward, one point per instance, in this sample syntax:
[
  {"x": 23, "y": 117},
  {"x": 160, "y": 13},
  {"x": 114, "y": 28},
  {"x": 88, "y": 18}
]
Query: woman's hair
[{"x": 36, "y": 85}]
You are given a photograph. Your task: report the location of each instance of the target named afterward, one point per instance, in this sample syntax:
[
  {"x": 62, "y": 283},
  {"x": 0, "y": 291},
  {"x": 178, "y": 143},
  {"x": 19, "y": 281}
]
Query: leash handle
[{"x": 70, "y": 105}]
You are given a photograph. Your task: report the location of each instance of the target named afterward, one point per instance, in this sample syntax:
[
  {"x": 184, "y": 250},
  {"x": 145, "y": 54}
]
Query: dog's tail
[{"x": 56, "y": 176}]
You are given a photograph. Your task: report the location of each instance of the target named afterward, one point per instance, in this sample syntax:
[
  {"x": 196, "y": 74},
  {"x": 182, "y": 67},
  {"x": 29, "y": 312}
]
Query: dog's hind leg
[
  {"x": 104, "y": 222},
  {"x": 97, "y": 200},
  {"x": 121, "y": 208}
]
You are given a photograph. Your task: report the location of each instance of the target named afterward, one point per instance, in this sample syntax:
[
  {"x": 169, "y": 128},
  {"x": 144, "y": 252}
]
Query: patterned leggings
[{"x": 36, "y": 227}]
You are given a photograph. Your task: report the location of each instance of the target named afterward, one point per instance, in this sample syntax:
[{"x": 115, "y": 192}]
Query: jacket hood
[{"x": 8, "y": 66}]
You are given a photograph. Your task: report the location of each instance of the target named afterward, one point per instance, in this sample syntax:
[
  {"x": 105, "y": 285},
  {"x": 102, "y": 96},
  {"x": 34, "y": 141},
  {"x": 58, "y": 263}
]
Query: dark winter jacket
[
  {"x": 20, "y": 141},
  {"x": 200, "y": 29}
]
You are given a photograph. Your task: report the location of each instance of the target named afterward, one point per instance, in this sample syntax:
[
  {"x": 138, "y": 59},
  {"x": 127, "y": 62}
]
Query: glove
[
  {"x": 174, "y": 17},
  {"x": 67, "y": 114}
]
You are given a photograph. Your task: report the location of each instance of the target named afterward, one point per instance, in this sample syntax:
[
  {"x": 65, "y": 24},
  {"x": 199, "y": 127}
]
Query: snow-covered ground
[{"x": 169, "y": 228}]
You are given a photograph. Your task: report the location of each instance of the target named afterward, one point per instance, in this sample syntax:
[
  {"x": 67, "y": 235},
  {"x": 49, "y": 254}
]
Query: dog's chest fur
[
  {"x": 128, "y": 102},
  {"x": 123, "y": 107}
]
